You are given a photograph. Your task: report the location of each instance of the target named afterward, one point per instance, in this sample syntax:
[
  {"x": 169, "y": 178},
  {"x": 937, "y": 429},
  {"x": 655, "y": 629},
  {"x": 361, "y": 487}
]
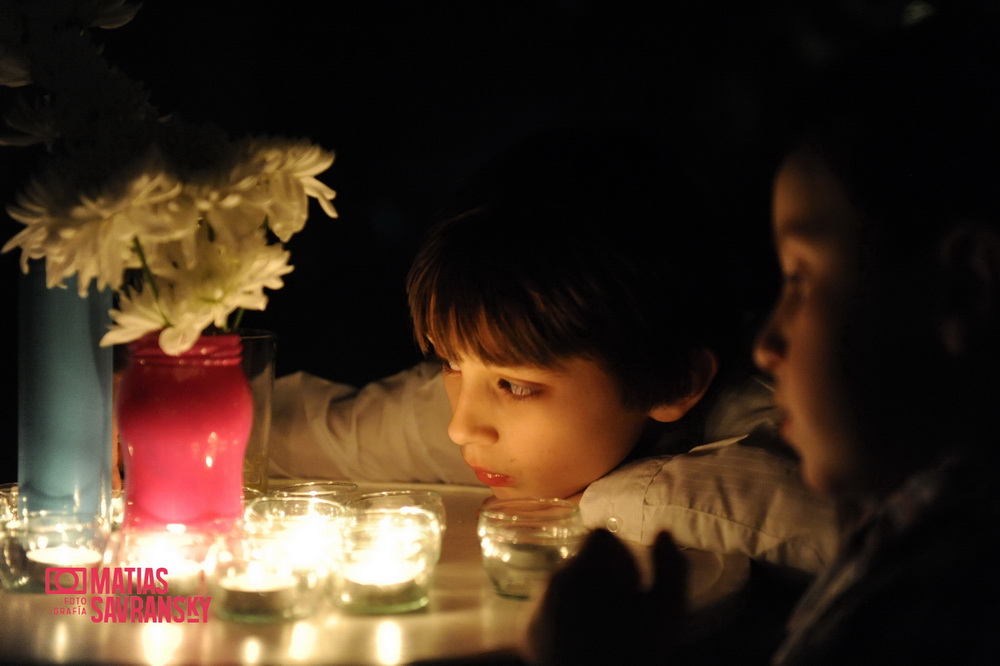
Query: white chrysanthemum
[
  {"x": 137, "y": 314},
  {"x": 287, "y": 179},
  {"x": 126, "y": 189},
  {"x": 95, "y": 238},
  {"x": 223, "y": 278}
]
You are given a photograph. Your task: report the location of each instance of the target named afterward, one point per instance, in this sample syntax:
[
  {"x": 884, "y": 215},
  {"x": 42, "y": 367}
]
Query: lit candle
[
  {"x": 378, "y": 567},
  {"x": 65, "y": 556},
  {"x": 386, "y": 566},
  {"x": 183, "y": 577},
  {"x": 183, "y": 572},
  {"x": 257, "y": 593},
  {"x": 69, "y": 560}
]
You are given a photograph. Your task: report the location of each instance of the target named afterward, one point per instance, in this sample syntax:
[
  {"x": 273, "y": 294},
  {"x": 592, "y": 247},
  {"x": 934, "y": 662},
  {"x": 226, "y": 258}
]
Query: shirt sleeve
[
  {"x": 726, "y": 497},
  {"x": 394, "y": 429}
]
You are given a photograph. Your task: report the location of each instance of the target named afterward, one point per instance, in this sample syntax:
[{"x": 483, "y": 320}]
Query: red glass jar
[{"x": 184, "y": 422}]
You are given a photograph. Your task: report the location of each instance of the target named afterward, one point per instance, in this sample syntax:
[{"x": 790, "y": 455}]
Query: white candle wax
[
  {"x": 392, "y": 556},
  {"x": 381, "y": 569},
  {"x": 68, "y": 558},
  {"x": 65, "y": 556},
  {"x": 183, "y": 577},
  {"x": 258, "y": 593},
  {"x": 183, "y": 568},
  {"x": 257, "y": 582}
]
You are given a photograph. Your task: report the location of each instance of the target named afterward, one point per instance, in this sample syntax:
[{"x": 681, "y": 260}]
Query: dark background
[{"x": 413, "y": 95}]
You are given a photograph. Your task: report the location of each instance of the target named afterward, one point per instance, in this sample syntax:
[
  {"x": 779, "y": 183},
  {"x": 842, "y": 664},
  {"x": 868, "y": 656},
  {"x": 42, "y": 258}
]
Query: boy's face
[
  {"x": 539, "y": 432},
  {"x": 817, "y": 237}
]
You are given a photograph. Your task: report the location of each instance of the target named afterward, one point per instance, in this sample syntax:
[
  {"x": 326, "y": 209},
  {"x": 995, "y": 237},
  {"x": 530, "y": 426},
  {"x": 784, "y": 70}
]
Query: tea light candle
[
  {"x": 65, "y": 556},
  {"x": 386, "y": 566},
  {"x": 381, "y": 569},
  {"x": 258, "y": 593},
  {"x": 183, "y": 577},
  {"x": 184, "y": 570},
  {"x": 62, "y": 557}
]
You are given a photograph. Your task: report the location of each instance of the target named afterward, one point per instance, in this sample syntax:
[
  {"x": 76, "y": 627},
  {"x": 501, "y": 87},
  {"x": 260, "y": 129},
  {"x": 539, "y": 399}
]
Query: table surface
[{"x": 464, "y": 619}]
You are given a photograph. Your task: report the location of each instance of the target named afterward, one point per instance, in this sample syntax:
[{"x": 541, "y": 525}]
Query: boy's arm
[
  {"x": 732, "y": 496},
  {"x": 394, "y": 429}
]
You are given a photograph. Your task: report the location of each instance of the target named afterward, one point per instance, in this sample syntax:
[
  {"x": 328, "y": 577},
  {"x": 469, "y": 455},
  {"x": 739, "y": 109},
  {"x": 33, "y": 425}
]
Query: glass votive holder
[
  {"x": 332, "y": 491},
  {"x": 387, "y": 560},
  {"x": 293, "y": 513},
  {"x": 48, "y": 551},
  {"x": 251, "y": 579},
  {"x": 304, "y": 533},
  {"x": 178, "y": 556},
  {"x": 117, "y": 508},
  {"x": 8, "y": 501},
  {"x": 405, "y": 502},
  {"x": 250, "y": 494},
  {"x": 523, "y": 541}
]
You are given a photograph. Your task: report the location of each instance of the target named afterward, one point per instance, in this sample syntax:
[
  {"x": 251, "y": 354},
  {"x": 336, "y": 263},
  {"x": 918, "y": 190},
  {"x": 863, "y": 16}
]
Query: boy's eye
[{"x": 518, "y": 391}]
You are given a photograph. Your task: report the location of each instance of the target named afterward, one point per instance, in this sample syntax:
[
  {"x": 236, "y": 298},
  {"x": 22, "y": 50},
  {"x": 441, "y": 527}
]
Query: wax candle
[
  {"x": 65, "y": 556},
  {"x": 381, "y": 568},
  {"x": 67, "y": 562},
  {"x": 257, "y": 593},
  {"x": 387, "y": 563},
  {"x": 182, "y": 555}
]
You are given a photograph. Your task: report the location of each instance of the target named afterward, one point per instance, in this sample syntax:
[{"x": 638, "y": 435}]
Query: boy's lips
[{"x": 492, "y": 478}]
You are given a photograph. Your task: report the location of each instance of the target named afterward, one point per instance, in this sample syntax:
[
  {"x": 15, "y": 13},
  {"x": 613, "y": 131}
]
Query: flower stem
[
  {"x": 235, "y": 326},
  {"x": 148, "y": 277}
]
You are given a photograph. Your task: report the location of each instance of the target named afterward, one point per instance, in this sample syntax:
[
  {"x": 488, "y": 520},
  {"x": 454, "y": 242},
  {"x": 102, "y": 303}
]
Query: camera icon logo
[{"x": 65, "y": 580}]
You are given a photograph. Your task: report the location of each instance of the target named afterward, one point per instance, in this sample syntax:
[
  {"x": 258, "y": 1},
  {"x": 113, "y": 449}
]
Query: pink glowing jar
[{"x": 184, "y": 422}]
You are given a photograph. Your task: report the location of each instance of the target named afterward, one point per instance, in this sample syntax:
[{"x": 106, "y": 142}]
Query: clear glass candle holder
[
  {"x": 179, "y": 556},
  {"x": 333, "y": 491},
  {"x": 8, "y": 501},
  {"x": 253, "y": 579},
  {"x": 251, "y": 494},
  {"x": 405, "y": 502},
  {"x": 302, "y": 533},
  {"x": 523, "y": 541},
  {"x": 49, "y": 551},
  {"x": 117, "y": 509},
  {"x": 388, "y": 559},
  {"x": 311, "y": 519}
]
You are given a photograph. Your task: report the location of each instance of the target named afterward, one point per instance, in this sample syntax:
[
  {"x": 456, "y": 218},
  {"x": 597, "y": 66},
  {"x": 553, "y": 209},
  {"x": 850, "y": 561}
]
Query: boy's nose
[
  {"x": 770, "y": 346},
  {"x": 470, "y": 422}
]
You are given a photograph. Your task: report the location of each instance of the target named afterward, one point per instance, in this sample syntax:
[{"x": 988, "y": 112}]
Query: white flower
[
  {"x": 137, "y": 314},
  {"x": 94, "y": 238},
  {"x": 126, "y": 190},
  {"x": 223, "y": 278},
  {"x": 287, "y": 180}
]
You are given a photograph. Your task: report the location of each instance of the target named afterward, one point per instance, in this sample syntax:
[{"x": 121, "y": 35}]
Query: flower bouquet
[{"x": 184, "y": 224}]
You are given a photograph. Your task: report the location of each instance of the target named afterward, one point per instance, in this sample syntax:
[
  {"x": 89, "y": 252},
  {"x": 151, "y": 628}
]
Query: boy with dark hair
[{"x": 582, "y": 310}]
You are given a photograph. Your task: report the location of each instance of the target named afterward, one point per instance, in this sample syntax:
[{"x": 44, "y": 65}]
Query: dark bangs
[
  {"x": 499, "y": 296},
  {"x": 580, "y": 246}
]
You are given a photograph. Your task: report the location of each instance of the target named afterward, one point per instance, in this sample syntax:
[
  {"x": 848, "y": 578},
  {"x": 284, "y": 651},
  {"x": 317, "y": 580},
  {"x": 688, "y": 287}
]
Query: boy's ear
[
  {"x": 702, "y": 373},
  {"x": 970, "y": 261}
]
